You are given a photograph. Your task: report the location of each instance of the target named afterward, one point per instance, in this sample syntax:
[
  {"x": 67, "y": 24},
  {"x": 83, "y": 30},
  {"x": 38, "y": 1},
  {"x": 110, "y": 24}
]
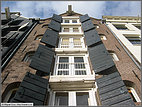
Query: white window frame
[
  {"x": 71, "y": 65},
  {"x": 134, "y": 94},
  {"x": 115, "y": 58},
  {"x": 71, "y": 20},
  {"x": 71, "y": 42},
  {"x": 71, "y": 29},
  {"x": 72, "y": 97}
]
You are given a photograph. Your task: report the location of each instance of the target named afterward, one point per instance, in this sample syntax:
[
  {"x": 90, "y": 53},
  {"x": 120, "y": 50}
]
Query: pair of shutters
[
  {"x": 50, "y": 37},
  {"x": 43, "y": 59},
  {"x": 113, "y": 91},
  {"x": 33, "y": 89},
  {"x": 99, "y": 56}
]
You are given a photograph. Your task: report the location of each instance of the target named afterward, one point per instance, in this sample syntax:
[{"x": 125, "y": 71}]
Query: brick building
[{"x": 71, "y": 59}]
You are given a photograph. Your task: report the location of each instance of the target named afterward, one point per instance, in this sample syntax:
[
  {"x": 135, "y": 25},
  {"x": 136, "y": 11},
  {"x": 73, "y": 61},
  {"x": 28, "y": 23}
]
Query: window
[
  {"x": 61, "y": 98},
  {"x": 134, "y": 39},
  {"x": 138, "y": 26},
  {"x": 114, "y": 56},
  {"x": 82, "y": 98},
  {"x": 74, "y": 21},
  {"x": 133, "y": 94},
  {"x": 66, "y": 21},
  {"x": 73, "y": 98},
  {"x": 71, "y": 43},
  {"x": 102, "y": 36},
  {"x": 121, "y": 27},
  {"x": 66, "y": 30},
  {"x": 28, "y": 57},
  {"x": 75, "y": 30},
  {"x": 72, "y": 65},
  {"x": 38, "y": 37},
  {"x": 130, "y": 87}
]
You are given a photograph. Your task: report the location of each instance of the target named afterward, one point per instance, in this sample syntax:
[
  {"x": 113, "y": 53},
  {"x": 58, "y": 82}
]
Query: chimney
[
  {"x": 70, "y": 12},
  {"x": 7, "y": 13}
]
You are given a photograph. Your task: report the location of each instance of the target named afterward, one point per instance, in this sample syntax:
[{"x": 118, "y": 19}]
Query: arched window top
[
  {"x": 130, "y": 87},
  {"x": 113, "y": 55},
  {"x": 38, "y": 37},
  {"x": 28, "y": 56},
  {"x": 102, "y": 36},
  {"x": 45, "y": 25},
  {"x": 10, "y": 91}
]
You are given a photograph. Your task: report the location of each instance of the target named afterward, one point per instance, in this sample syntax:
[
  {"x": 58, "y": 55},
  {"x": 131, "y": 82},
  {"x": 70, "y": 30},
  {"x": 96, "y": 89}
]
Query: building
[
  {"x": 128, "y": 31},
  {"x": 15, "y": 30},
  {"x": 71, "y": 59}
]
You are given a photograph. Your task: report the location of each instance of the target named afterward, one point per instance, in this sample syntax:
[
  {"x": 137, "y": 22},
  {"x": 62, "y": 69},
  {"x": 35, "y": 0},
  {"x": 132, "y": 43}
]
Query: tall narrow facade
[{"x": 71, "y": 59}]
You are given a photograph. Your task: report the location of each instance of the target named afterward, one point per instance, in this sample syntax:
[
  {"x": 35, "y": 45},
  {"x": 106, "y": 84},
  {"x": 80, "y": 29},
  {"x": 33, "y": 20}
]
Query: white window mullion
[{"x": 72, "y": 98}]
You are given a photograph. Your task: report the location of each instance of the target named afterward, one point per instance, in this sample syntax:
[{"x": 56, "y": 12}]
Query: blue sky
[{"x": 45, "y": 9}]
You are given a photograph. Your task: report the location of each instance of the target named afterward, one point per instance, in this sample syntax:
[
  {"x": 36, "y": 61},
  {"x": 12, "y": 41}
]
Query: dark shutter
[
  {"x": 57, "y": 18},
  {"x": 112, "y": 90},
  {"x": 50, "y": 38},
  {"x": 43, "y": 59},
  {"x": 92, "y": 37},
  {"x": 55, "y": 26},
  {"x": 84, "y": 18},
  {"x": 87, "y": 25},
  {"x": 33, "y": 89},
  {"x": 100, "y": 58}
]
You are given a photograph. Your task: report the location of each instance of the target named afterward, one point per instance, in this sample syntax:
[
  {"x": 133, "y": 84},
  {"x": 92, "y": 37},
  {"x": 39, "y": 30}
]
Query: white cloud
[{"x": 92, "y": 8}]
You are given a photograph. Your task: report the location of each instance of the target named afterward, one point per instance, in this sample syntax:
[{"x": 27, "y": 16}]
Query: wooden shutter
[
  {"x": 87, "y": 25},
  {"x": 55, "y": 26},
  {"x": 33, "y": 89},
  {"x": 84, "y": 18},
  {"x": 100, "y": 58},
  {"x": 43, "y": 59},
  {"x": 50, "y": 38},
  {"x": 57, "y": 18},
  {"x": 113, "y": 91},
  {"x": 91, "y": 37}
]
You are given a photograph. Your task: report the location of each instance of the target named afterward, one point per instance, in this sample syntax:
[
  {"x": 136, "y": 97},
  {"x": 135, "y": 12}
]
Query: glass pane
[
  {"x": 75, "y": 30},
  {"x": 78, "y": 59},
  {"x": 82, "y": 98},
  {"x": 61, "y": 72},
  {"x": 61, "y": 99},
  {"x": 64, "y": 59},
  {"x": 66, "y": 21},
  {"x": 66, "y": 29},
  {"x": 74, "y": 21},
  {"x": 80, "y": 72}
]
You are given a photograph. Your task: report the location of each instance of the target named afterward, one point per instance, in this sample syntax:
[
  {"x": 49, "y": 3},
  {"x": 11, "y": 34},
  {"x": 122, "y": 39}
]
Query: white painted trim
[{"x": 134, "y": 94}]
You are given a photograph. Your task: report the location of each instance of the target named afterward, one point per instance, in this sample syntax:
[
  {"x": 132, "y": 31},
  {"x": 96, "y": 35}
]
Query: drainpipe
[
  {"x": 17, "y": 47},
  {"x": 125, "y": 49}
]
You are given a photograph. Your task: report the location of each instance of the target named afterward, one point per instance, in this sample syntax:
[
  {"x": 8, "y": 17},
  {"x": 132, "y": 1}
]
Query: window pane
[
  {"x": 121, "y": 27},
  {"x": 77, "y": 43},
  {"x": 80, "y": 72},
  {"x": 74, "y": 21},
  {"x": 64, "y": 59},
  {"x": 66, "y": 30},
  {"x": 75, "y": 30},
  {"x": 78, "y": 59},
  {"x": 63, "y": 63},
  {"x": 61, "y": 99},
  {"x": 66, "y": 21},
  {"x": 79, "y": 63},
  {"x": 82, "y": 98}
]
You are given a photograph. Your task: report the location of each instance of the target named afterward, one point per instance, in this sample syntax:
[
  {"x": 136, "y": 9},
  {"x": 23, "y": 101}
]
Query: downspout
[
  {"x": 18, "y": 46},
  {"x": 125, "y": 49}
]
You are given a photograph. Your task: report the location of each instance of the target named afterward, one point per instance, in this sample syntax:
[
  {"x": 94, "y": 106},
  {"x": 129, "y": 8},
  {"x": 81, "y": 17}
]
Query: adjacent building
[
  {"x": 71, "y": 59},
  {"x": 15, "y": 30}
]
